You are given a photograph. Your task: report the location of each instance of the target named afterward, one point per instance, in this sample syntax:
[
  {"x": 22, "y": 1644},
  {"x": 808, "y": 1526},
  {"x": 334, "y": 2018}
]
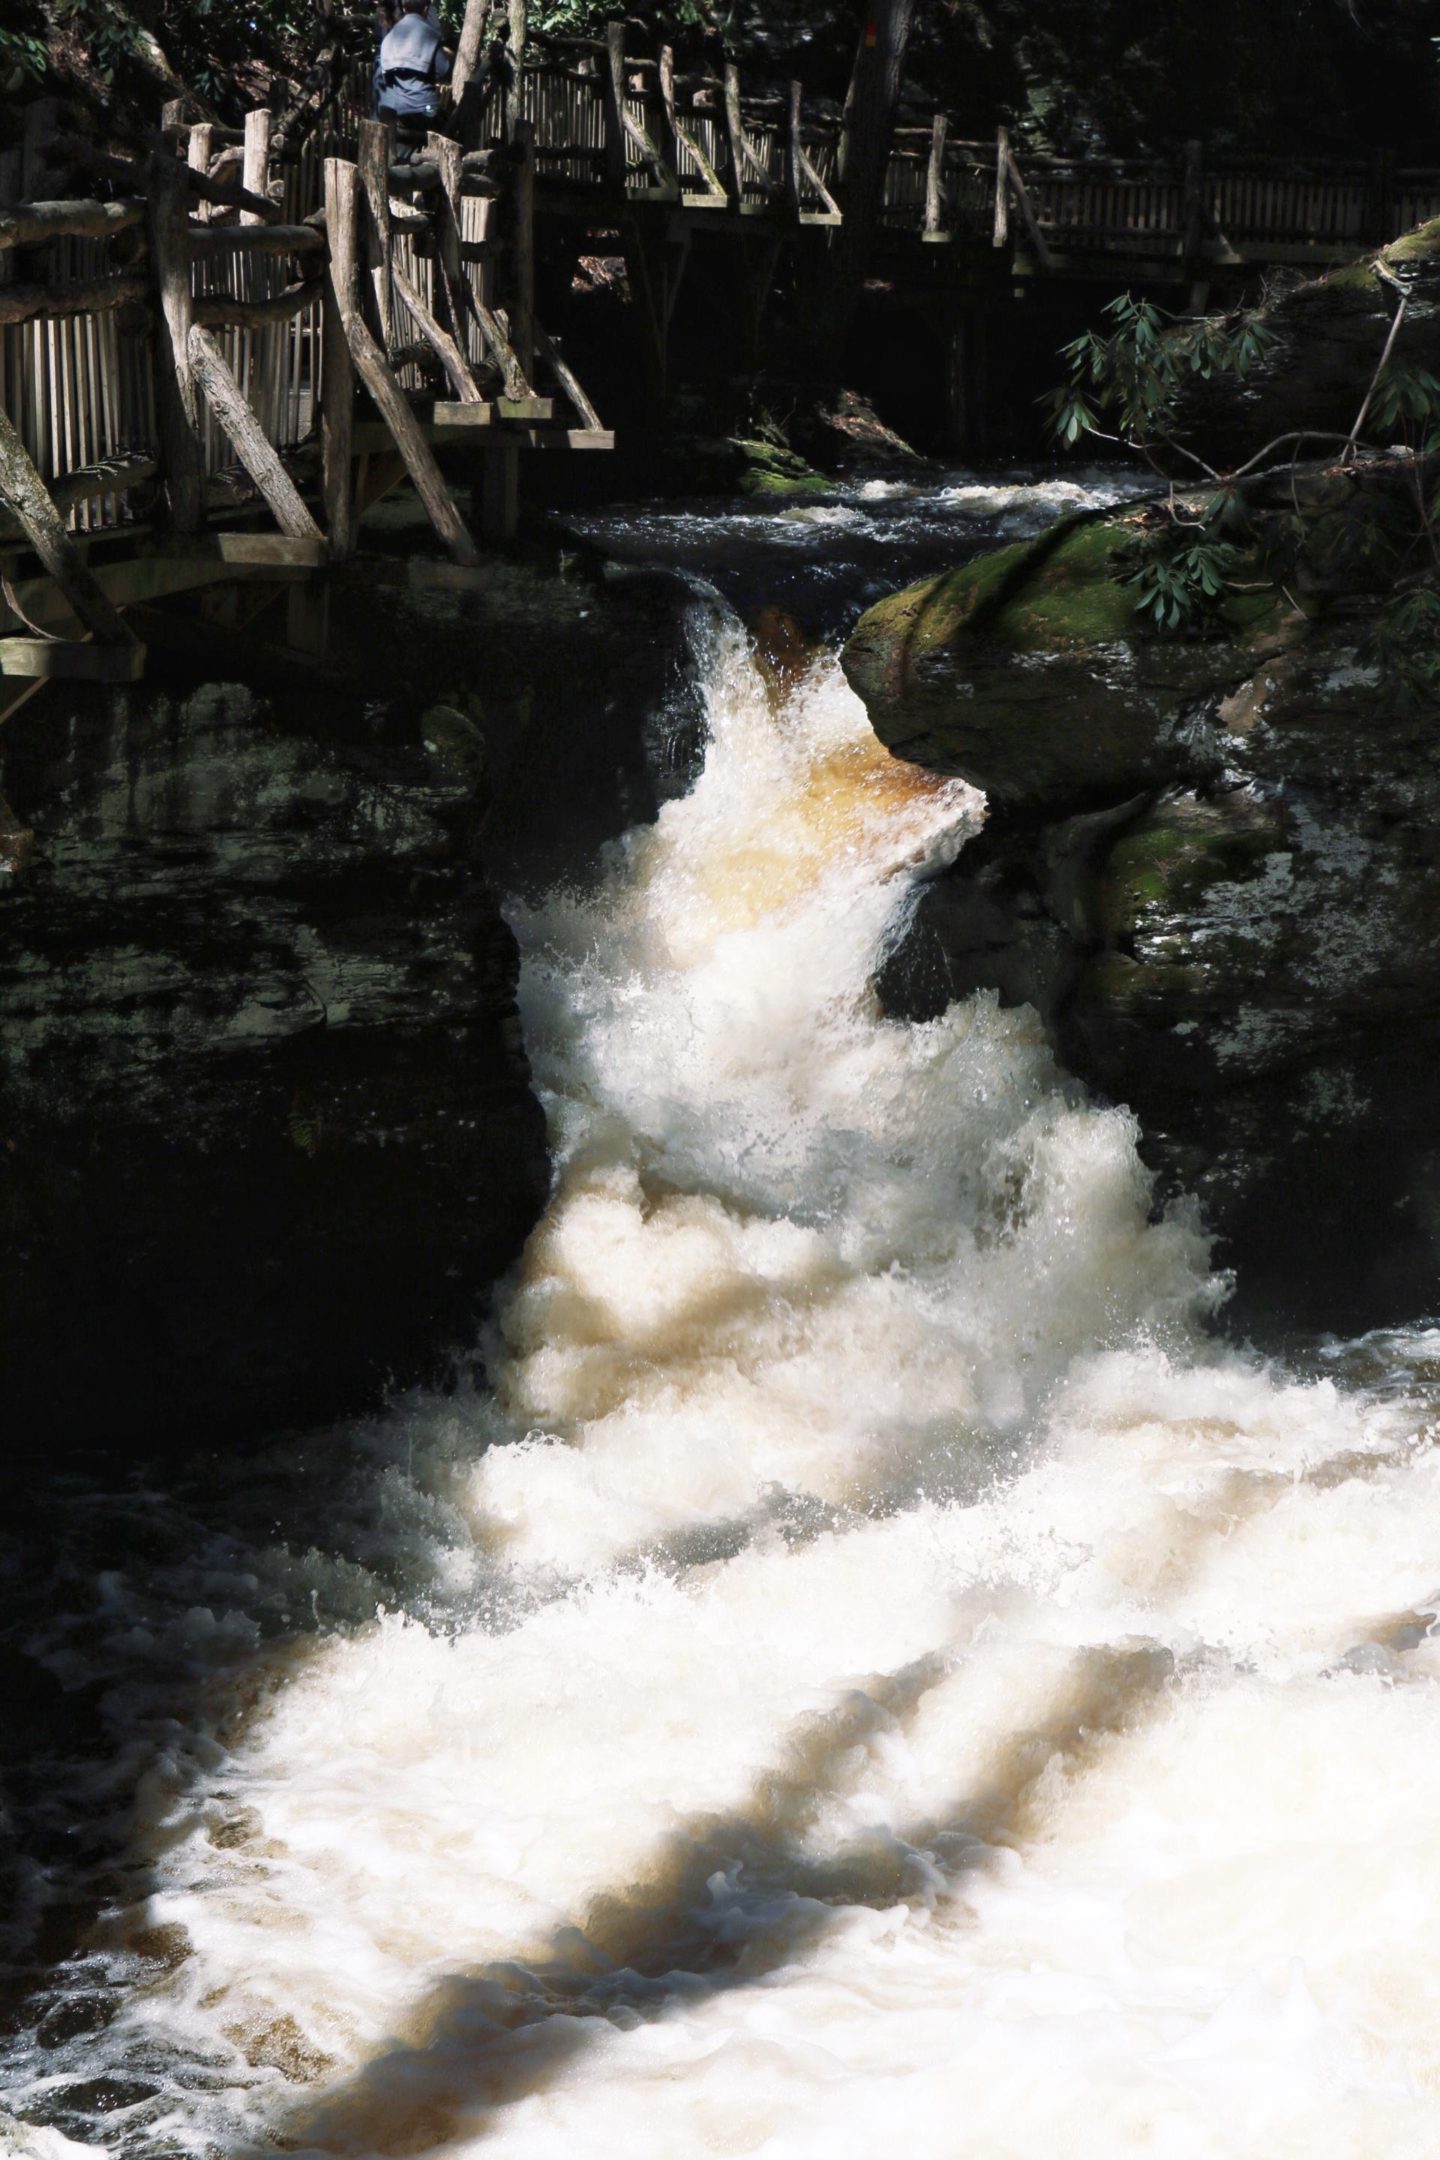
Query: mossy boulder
[
  {"x": 769, "y": 470},
  {"x": 1030, "y": 672}
]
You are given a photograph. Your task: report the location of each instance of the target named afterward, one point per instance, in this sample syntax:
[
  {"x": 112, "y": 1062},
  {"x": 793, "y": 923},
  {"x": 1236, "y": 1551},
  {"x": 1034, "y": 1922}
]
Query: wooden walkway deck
[{"x": 184, "y": 335}]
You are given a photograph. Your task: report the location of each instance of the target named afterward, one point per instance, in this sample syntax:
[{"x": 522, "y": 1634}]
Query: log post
[
  {"x": 514, "y": 89},
  {"x": 373, "y": 160},
  {"x": 176, "y": 405},
  {"x": 255, "y": 173},
  {"x": 251, "y": 444},
  {"x": 734, "y": 138},
  {"x": 337, "y": 383},
  {"x": 521, "y": 253},
  {"x": 198, "y": 152},
  {"x": 669, "y": 133},
  {"x": 375, "y": 373},
  {"x": 935, "y": 180},
  {"x": 1001, "y": 235},
  {"x": 793, "y": 153},
  {"x": 617, "y": 157},
  {"x": 25, "y": 493},
  {"x": 470, "y": 47}
]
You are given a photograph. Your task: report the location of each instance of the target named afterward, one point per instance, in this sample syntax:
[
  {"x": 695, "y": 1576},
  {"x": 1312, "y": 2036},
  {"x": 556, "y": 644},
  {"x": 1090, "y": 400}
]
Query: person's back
[{"x": 411, "y": 65}]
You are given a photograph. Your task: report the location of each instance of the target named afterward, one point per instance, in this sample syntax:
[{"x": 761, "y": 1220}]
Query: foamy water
[{"x": 876, "y": 1676}]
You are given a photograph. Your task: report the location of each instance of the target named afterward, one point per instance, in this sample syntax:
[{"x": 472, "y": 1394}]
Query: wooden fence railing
[{"x": 109, "y": 265}]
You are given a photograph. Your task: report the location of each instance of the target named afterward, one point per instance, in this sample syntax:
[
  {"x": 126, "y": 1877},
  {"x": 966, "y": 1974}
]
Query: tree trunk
[{"x": 834, "y": 283}]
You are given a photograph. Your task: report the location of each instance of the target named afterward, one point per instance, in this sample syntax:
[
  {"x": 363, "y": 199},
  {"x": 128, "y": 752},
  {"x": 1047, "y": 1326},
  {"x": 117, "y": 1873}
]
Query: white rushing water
[{"x": 901, "y": 1686}]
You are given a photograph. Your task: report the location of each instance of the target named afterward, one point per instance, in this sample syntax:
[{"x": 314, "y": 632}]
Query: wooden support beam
[
  {"x": 500, "y": 501},
  {"x": 71, "y": 660},
  {"x": 935, "y": 179},
  {"x": 517, "y": 13},
  {"x": 451, "y": 358},
  {"x": 1038, "y": 242},
  {"x": 568, "y": 380},
  {"x": 617, "y": 157},
  {"x": 734, "y": 138},
  {"x": 375, "y": 145},
  {"x": 793, "y": 151},
  {"x": 25, "y": 495},
  {"x": 520, "y": 257},
  {"x": 669, "y": 133},
  {"x": 1000, "y": 235},
  {"x": 248, "y": 439},
  {"x": 32, "y": 224},
  {"x": 374, "y": 371},
  {"x": 176, "y": 404},
  {"x": 337, "y": 377}
]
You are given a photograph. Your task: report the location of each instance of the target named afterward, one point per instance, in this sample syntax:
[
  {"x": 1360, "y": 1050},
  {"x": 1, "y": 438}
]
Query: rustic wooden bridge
[{"x": 217, "y": 354}]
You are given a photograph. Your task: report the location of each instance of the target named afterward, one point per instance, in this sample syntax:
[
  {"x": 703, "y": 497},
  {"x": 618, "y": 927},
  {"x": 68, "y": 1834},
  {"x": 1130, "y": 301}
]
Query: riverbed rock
[{"x": 1210, "y": 864}]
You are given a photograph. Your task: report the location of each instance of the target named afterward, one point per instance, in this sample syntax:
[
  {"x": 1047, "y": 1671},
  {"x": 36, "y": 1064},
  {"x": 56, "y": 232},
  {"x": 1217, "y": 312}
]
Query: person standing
[{"x": 411, "y": 65}]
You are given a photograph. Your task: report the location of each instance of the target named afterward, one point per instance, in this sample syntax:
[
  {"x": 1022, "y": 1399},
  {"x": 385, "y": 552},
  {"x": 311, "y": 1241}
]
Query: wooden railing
[
  {"x": 93, "y": 327},
  {"x": 185, "y": 334}
]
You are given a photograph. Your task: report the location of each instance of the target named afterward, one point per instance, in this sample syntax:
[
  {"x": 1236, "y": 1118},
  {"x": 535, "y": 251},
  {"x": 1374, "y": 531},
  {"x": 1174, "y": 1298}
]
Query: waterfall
[{"x": 873, "y": 1672}]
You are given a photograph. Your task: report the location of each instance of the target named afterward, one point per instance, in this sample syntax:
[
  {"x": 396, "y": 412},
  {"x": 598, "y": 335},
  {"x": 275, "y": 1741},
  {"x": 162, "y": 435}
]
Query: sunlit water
[{"x": 875, "y": 1676}]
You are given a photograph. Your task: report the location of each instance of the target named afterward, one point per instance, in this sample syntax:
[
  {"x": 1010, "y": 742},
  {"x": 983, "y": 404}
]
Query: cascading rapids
[{"x": 944, "y": 1703}]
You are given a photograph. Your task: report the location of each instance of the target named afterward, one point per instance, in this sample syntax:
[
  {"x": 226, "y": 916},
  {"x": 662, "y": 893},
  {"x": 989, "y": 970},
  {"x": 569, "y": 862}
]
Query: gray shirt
[{"x": 411, "y": 63}]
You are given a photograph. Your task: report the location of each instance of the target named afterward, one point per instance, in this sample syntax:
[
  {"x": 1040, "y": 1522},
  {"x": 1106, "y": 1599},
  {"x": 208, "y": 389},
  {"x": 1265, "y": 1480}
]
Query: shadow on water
[{"x": 729, "y": 1901}]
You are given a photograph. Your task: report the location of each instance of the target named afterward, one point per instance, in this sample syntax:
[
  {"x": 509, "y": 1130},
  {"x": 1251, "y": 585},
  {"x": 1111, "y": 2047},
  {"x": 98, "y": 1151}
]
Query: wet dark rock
[{"x": 268, "y": 1134}]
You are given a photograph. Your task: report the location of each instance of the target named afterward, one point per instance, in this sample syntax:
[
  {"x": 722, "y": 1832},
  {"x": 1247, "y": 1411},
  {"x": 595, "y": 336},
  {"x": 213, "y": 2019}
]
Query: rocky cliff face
[
  {"x": 269, "y": 1136},
  {"x": 1211, "y": 864}
]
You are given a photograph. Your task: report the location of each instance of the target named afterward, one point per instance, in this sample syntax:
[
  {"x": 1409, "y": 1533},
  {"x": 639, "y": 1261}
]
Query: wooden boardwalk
[{"x": 184, "y": 335}]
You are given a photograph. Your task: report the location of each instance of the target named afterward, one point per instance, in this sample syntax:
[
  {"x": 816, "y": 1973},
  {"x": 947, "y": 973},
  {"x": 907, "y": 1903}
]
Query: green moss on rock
[{"x": 1030, "y": 671}]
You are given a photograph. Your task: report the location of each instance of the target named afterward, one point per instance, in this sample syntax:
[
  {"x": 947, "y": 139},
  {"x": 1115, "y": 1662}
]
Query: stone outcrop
[{"x": 268, "y": 1132}]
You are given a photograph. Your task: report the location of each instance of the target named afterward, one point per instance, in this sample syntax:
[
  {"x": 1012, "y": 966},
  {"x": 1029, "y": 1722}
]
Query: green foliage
[
  {"x": 24, "y": 57},
  {"x": 1403, "y": 394},
  {"x": 1174, "y": 588},
  {"x": 1133, "y": 375},
  {"x": 1404, "y": 646}
]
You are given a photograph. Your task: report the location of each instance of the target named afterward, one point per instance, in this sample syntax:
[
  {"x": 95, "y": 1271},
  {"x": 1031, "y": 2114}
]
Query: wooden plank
[
  {"x": 71, "y": 661},
  {"x": 248, "y": 439}
]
